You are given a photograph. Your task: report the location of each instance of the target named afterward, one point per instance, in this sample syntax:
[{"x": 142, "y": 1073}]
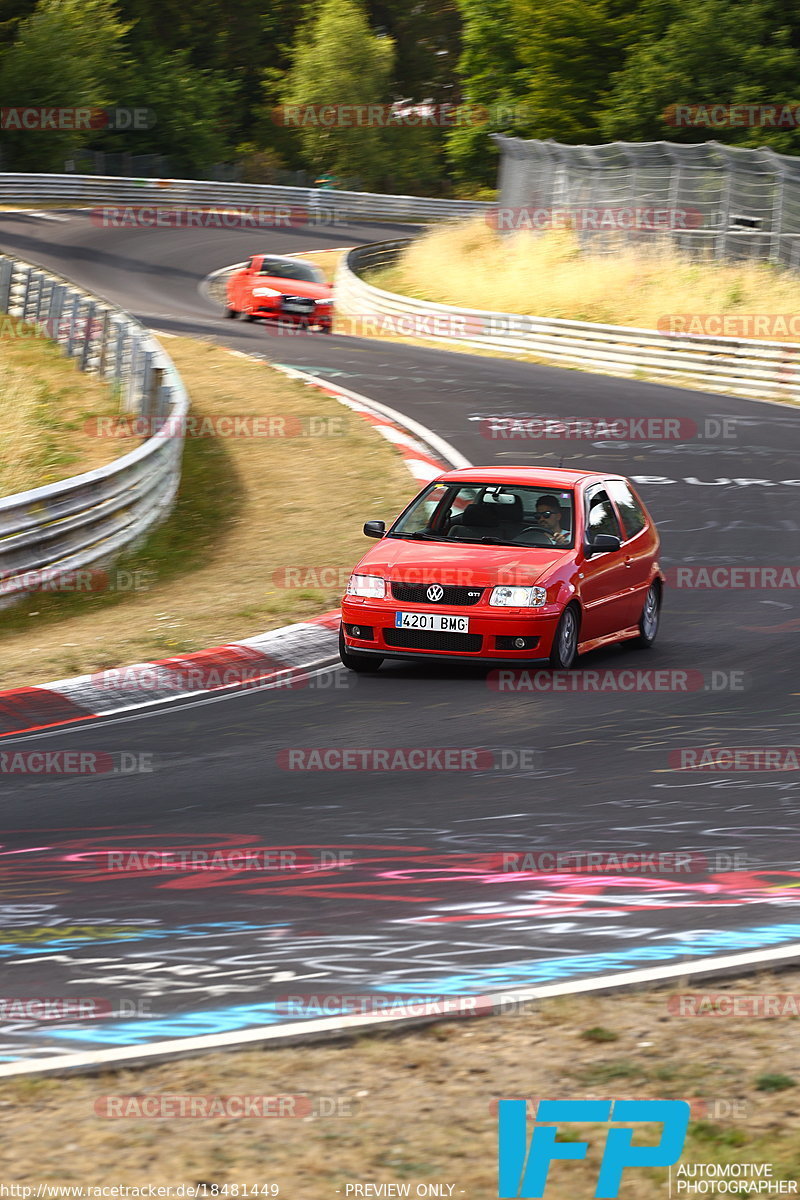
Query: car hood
[
  {"x": 408, "y": 561},
  {"x": 294, "y": 287}
]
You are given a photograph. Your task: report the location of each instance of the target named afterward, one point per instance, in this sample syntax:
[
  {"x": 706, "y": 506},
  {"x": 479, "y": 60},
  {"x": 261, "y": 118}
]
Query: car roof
[{"x": 549, "y": 477}]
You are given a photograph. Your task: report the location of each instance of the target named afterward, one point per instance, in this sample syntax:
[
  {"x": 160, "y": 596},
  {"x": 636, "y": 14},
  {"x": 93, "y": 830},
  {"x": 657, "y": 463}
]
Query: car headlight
[
  {"x": 266, "y": 292},
  {"x": 373, "y": 586},
  {"x": 326, "y": 301},
  {"x": 518, "y": 597}
]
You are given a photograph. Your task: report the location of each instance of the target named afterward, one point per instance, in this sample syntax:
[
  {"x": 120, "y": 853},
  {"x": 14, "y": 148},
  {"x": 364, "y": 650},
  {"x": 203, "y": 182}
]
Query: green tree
[
  {"x": 569, "y": 49},
  {"x": 338, "y": 61},
  {"x": 490, "y": 69},
  {"x": 712, "y": 52},
  {"x": 193, "y": 112},
  {"x": 66, "y": 54}
]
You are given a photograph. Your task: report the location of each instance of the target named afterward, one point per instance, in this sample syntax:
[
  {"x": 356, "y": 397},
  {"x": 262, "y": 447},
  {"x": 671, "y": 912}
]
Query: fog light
[
  {"x": 519, "y": 643},
  {"x": 356, "y": 631}
]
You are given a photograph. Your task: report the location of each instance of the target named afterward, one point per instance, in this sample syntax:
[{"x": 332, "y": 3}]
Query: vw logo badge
[{"x": 434, "y": 592}]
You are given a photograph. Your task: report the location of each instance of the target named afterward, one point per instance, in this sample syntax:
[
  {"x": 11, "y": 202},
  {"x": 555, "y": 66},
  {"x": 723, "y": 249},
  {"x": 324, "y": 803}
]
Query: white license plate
[{"x": 438, "y": 621}]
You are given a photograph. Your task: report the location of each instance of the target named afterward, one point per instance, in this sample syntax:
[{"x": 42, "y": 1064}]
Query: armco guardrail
[
  {"x": 335, "y": 205},
  {"x": 750, "y": 368},
  {"x": 61, "y": 527}
]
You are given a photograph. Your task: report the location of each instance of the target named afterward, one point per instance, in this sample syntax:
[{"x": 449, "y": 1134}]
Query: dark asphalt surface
[{"x": 411, "y": 905}]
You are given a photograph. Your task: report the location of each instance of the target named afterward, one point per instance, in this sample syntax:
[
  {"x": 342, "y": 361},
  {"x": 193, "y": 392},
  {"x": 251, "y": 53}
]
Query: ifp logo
[{"x": 523, "y": 1170}]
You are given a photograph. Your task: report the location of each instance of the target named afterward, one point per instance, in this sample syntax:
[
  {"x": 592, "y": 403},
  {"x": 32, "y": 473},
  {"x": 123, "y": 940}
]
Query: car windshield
[
  {"x": 491, "y": 513},
  {"x": 287, "y": 268}
]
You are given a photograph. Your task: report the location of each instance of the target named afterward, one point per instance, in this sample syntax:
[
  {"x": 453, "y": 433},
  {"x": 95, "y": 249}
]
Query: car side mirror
[
  {"x": 375, "y": 529},
  {"x": 602, "y": 543}
]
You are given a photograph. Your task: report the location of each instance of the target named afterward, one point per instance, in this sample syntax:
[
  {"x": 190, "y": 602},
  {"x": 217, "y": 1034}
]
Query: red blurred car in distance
[
  {"x": 284, "y": 289},
  {"x": 512, "y": 565}
]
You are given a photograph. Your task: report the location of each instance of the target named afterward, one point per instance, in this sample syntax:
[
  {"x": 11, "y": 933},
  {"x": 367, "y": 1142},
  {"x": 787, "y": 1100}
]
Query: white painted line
[
  {"x": 442, "y": 448},
  {"x": 93, "y": 1060}
]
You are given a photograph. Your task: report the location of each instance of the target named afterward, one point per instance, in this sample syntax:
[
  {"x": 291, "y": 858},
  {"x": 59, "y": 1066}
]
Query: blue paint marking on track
[
  {"x": 549, "y": 970},
  {"x": 195, "y": 1024},
  {"x": 223, "y": 1020}
]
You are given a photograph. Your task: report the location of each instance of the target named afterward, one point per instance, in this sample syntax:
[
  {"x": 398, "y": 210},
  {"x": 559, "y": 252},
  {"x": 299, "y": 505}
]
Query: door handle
[{"x": 628, "y": 561}]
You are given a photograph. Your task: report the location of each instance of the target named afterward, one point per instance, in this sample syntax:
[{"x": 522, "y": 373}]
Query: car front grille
[
  {"x": 425, "y": 639},
  {"x": 416, "y": 593}
]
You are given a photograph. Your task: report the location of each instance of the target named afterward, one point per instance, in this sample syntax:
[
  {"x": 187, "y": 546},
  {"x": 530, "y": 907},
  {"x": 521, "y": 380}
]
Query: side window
[
  {"x": 600, "y": 517},
  {"x": 630, "y": 510},
  {"x": 248, "y": 265}
]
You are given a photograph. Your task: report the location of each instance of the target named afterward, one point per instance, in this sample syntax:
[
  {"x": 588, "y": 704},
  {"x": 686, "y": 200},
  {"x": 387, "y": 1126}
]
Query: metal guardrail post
[
  {"x": 56, "y": 310},
  {"x": 88, "y": 335},
  {"x": 6, "y": 271},
  {"x": 71, "y": 331}
]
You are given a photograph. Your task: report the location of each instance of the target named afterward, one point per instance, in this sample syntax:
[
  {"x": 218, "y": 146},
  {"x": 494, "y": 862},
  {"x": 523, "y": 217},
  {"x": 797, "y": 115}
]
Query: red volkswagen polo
[{"x": 506, "y": 565}]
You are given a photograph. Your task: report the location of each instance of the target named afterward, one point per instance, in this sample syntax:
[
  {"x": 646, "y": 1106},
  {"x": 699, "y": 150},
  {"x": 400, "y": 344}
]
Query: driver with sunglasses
[{"x": 548, "y": 517}]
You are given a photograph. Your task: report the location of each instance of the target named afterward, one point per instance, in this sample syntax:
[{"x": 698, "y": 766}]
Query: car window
[
  {"x": 600, "y": 517},
  {"x": 630, "y": 510},
  {"x": 284, "y": 268},
  {"x": 512, "y": 514}
]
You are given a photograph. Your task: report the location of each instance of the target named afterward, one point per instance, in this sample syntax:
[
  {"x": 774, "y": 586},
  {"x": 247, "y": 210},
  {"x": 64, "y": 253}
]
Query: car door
[
  {"x": 638, "y": 546},
  {"x": 603, "y": 578}
]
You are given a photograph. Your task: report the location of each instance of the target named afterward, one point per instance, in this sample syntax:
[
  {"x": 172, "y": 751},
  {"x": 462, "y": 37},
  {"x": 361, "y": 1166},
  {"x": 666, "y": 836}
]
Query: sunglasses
[{"x": 545, "y": 512}]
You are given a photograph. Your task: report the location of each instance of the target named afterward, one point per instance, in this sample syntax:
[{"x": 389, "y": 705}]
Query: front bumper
[{"x": 491, "y": 635}]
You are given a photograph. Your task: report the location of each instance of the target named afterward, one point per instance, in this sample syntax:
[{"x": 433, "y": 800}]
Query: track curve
[{"x": 416, "y": 909}]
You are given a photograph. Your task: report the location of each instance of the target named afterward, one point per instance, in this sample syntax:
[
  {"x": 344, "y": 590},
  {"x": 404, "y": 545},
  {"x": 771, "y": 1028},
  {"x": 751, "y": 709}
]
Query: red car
[
  {"x": 284, "y": 289},
  {"x": 506, "y": 565}
]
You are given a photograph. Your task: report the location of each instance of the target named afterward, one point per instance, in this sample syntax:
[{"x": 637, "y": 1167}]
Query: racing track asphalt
[{"x": 203, "y": 953}]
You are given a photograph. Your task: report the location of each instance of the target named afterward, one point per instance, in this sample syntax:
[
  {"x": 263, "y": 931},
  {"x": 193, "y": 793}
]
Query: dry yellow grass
[
  {"x": 547, "y": 275},
  {"x": 419, "y": 1108},
  {"x": 46, "y": 405},
  {"x": 248, "y": 508}
]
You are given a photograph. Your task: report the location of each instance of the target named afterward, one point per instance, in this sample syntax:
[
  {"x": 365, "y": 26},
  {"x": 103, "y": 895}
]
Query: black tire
[
  {"x": 362, "y": 664},
  {"x": 249, "y": 317},
  {"x": 565, "y": 643},
  {"x": 650, "y": 618},
  {"x": 231, "y": 313}
]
